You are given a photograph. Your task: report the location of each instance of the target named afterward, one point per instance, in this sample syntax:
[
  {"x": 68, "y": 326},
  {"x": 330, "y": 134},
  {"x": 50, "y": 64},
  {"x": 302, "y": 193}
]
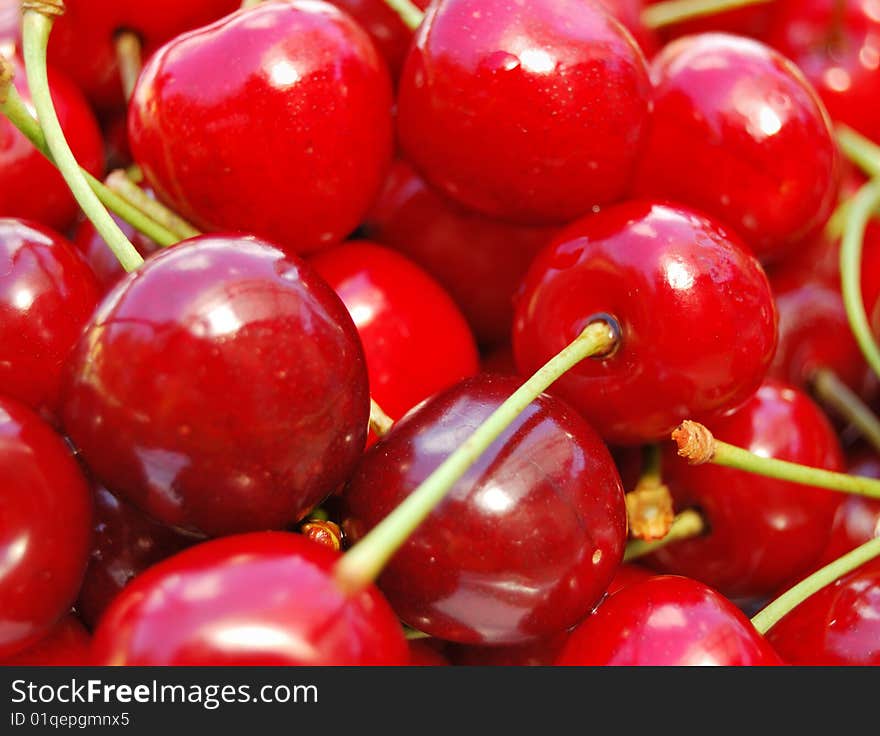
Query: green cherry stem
[
  {"x": 130, "y": 59},
  {"x": 846, "y": 403},
  {"x": 677, "y": 11},
  {"x": 769, "y": 616},
  {"x": 861, "y": 151},
  {"x": 697, "y": 445},
  {"x": 363, "y": 563},
  {"x": 686, "y": 525},
  {"x": 119, "y": 182},
  {"x": 409, "y": 12},
  {"x": 863, "y": 206},
  {"x": 36, "y": 26}
]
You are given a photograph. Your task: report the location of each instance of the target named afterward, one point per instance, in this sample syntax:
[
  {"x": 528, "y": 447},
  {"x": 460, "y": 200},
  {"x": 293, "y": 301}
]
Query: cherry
[
  {"x": 762, "y": 531},
  {"x": 749, "y": 21},
  {"x": 629, "y": 13},
  {"x": 531, "y": 112},
  {"x": 541, "y": 653},
  {"x": 294, "y": 137},
  {"x": 47, "y": 294},
  {"x": 221, "y": 387},
  {"x": 751, "y": 136},
  {"x": 100, "y": 258},
  {"x": 415, "y": 340},
  {"x": 265, "y": 598},
  {"x": 422, "y": 654},
  {"x": 31, "y": 187},
  {"x": 839, "y": 625},
  {"x": 627, "y": 575},
  {"x": 45, "y": 527},
  {"x": 66, "y": 645},
  {"x": 697, "y": 320},
  {"x": 667, "y": 621},
  {"x": 126, "y": 542},
  {"x": 523, "y": 545}
]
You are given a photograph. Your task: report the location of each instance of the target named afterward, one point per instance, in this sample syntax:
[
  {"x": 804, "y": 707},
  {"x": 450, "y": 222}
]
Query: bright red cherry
[
  {"x": 415, "y": 340},
  {"x": 839, "y": 625},
  {"x": 697, "y": 320},
  {"x": 667, "y": 621},
  {"x": 45, "y": 527},
  {"x": 100, "y": 258},
  {"x": 761, "y": 532},
  {"x": 479, "y": 261},
  {"x": 221, "y": 387},
  {"x": 66, "y": 645},
  {"x": 126, "y": 542},
  {"x": 47, "y": 294},
  {"x": 629, "y": 13},
  {"x": 740, "y": 134},
  {"x": 523, "y": 545},
  {"x": 266, "y": 599},
  {"x": 31, "y": 187},
  {"x": 627, "y": 575},
  {"x": 294, "y": 136},
  {"x": 532, "y": 112}
]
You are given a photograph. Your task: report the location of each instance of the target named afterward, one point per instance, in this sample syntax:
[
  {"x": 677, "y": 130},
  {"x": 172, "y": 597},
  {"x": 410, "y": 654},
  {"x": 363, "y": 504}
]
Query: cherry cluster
[{"x": 381, "y": 332}]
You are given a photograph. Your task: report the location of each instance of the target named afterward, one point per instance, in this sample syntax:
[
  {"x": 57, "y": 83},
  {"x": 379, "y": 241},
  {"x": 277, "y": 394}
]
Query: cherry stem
[
  {"x": 697, "y": 445},
  {"x": 863, "y": 206},
  {"x": 860, "y": 150},
  {"x": 380, "y": 422},
  {"x": 652, "y": 464},
  {"x": 770, "y": 615},
  {"x": 410, "y": 13},
  {"x": 36, "y": 27},
  {"x": 686, "y": 525},
  {"x": 16, "y": 112},
  {"x": 412, "y": 634},
  {"x": 845, "y": 402},
  {"x": 672, "y": 12},
  {"x": 130, "y": 60},
  {"x": 121, "y": 183},
  {"x": 245, "y": 4},
  {"x": 649, "y": 506},
  {"x": 363, "y": 563}
]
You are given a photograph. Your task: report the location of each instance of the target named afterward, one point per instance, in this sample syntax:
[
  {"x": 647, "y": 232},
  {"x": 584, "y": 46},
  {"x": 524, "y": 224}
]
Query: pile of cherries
[{"x": 278, "y": 430}]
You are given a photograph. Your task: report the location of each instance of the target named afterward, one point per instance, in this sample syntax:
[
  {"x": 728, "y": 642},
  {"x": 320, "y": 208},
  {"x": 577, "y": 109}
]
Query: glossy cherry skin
[
  {"x": 696, "y": 316},
  {"x": 739, "y": 133},
  {"x": 761, "y": 531},
  {"x": 267, "y": 598},
  {"x": 66, "y": 645},
  {"x": 837, "y": 626},
  {"x": 629, "y": 13},
  {"x": 294, "y": 137},
  {"x": 100, "y": 258},
  {"x": 415, "y": 340},
  {"x": 83, "y": 40},
  {"x": 530, "y": 112},
  {"x": 126, "y": 542},
  {"x": 523, "y": 545},
  {"x": 47, "y": 294},
  {"x": 31, "y": 187},
  {"x": 667, "y": 621},
  {"x": 45, "y": 527},
  {"x": 221, "y": 387},
  {"x": 480, "y": 261},
  {"x": 837, "y": 46}
]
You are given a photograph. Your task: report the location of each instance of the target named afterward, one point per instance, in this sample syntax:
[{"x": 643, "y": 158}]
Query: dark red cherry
[
  {"x": 415, "y": 340},
  {"x": 221, "y": 387},
  {"x": 31, "y": 187},
  {"x": 839, "y": 625},
  {"x": 422, "y": 654},
  {"x": 531, "y": 112},
  {"x": 627, "y": 575},
  {"x": 100, "y": 258},
  {"x": 697, "y": 320},
  {"x": 294, "y": 136},
  {"x": 541, "y": 653},
  {"x": 667, "y": 621},
  {"x": 266, "y": 599},
  {"x": 523, "y": 545},
  {"x": 66, "y": 645},
  {"x": 837, "y": 46},
  {"x": 478, "y": 260},
  {"x": 45, "y": 527},
  {"x": 126, "y": 542},
  {"x": 761, "y": 532},
  {"x": 83, "y": 40},
  {"x": 47, "y": 294},
  {"x": 740, "y": 134}
]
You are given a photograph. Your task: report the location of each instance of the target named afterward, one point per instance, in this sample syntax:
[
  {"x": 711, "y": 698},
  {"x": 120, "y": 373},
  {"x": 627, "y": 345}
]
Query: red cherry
[
  {"x": 126, "y": 542},
  {"x": 45, "y": 527},
  {"x": 694, "y": 307},
  {"x": 762, "y": 532},
  {"x": 31, "y": 187},
  {"x": 265, "y": 599},
  {"x": 523, "y": 545},
  {"x": 541, "y": 653},
  {"x": 294, "y": 136},
  {"x": 627, "y": 575},
  {"x": 66, "y": 645},
  {"x": 739, "y": 133},
  {"x": 667, "y": 621},
  {"x": 100, "y": 258},
  {"x": 839, "y": 625},
  {"x": 415, "y": 340},
  {"x": 422, "y": 654},
  {"x": 629, "y": 13},
  {"x": 221, "y": 387},
  {"x": 532, "y": 112},
  {"x": 47, "y": 294}
]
